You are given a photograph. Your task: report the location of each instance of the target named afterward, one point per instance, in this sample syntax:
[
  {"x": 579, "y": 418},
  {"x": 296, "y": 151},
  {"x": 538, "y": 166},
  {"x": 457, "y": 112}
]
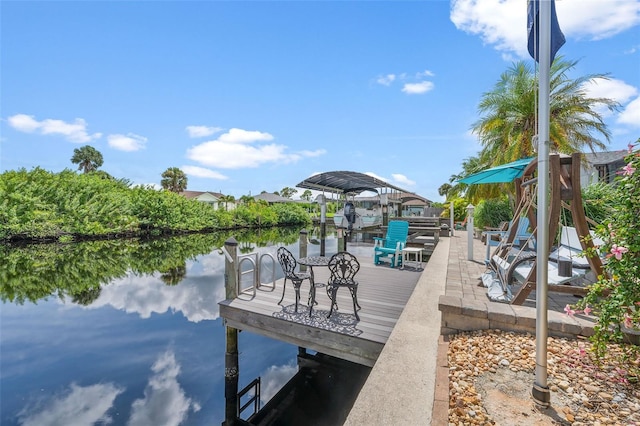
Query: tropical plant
[
  {"x": 444, "y": 189},
  {"x": 508, "y": 122},
  {"x": 174, "y": 180},
  {"x": 509, "y": 114},
  {"x": 306, "y": 195},
  {"x": 41, "y": 205},
  {"x": 491, "y": 212},
  {"x": 226, "y": 199},
  {"x": 87, "y": 158},
  {"x": 615, "y": 297}
]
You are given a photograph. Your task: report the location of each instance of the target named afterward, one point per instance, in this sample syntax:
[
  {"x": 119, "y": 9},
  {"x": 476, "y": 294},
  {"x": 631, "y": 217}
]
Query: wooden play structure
[{"x": 515, "y": 264}]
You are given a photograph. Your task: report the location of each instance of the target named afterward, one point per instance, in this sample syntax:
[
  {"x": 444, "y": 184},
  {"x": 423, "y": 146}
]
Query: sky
[{"x": 256, "y": 96}]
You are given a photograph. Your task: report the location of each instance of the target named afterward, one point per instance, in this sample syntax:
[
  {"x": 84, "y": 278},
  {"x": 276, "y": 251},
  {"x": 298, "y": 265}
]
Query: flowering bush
[{"x": 615, "y": 297}]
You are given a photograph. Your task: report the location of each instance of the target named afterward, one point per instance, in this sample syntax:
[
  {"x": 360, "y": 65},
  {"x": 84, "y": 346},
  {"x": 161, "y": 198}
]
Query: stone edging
[{"x": 469, "y": 315}]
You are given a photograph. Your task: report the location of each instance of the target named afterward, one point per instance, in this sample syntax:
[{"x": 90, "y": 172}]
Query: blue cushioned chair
[
  {"x": 495, "y": 238},
  {"x": 392, "y": 244}
]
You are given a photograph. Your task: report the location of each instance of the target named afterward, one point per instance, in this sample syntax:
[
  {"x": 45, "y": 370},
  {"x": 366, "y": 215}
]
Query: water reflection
[
  {"x": 124, "y": 332},
  {"x": 73, "y": 405},
  {"x": 79, "y": 270},
  {"x": 164, "y": 400}
]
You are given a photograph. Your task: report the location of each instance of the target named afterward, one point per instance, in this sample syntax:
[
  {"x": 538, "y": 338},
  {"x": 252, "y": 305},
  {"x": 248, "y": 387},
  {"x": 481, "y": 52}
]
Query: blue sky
[{"x": 256, "y": 96}]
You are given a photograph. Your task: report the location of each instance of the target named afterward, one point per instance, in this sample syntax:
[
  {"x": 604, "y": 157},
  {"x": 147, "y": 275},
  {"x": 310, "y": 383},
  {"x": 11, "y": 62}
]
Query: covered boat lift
[
  {"x": 353, "y": 183},
  {"x": 349, "y": 183}
]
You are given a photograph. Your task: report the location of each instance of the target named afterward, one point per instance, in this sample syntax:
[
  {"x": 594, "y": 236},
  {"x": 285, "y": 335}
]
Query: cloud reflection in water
[
  {"x": 196, "y": 297},
  {"x": 79, "y": 405},
  {"x": 164, "y": 402}
]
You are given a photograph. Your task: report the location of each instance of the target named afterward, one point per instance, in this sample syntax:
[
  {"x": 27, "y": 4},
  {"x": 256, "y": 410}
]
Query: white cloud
[
  {"x": 386, "y": 80},
  {"x": 79, "y": 405},
  {"x": 614, "y": 89},
  {"x": 373, "y": 175},
  {"x": 202, "y": 131},
  {"x": 402, "y": 179},
  {"x": 425, "y": 73},
  {"x": 244, "y": 136},
  {"x": 234, "y": 150},
  {"x": 417, "y": 88},
  {"x": 164, "y": 402},
  {"x": 316, "y": 153},
  {"x": 502, "y": 23},
  {"x": 73, "y": 132},
  {"x": 128, "y": 142},
  {"x": 24, "y": 123},
  {"x": 274, "y": 378},
  {"x": 631, "y": 114},
  {"x": 203, "y": 172},
  {"x": 617, "y": 90},
  {"x": 149, "y": 294}
]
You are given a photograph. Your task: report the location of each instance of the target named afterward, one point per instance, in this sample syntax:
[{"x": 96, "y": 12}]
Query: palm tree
[
  {"x": 509, "y": 114},
  {"x": 174, "y": 180},
  {"x": 87, "y": 158},
  {"x": 226, "y": 199}
]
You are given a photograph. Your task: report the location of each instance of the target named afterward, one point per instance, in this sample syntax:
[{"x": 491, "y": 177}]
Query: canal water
[{"x": 128, "y": 332}]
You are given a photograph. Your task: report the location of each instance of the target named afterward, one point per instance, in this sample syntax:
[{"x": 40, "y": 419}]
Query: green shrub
[{"x": 490, "y": 213}]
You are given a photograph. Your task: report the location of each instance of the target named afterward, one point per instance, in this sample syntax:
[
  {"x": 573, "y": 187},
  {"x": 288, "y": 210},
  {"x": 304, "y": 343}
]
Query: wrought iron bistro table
[{"x": 312, "y": 261}]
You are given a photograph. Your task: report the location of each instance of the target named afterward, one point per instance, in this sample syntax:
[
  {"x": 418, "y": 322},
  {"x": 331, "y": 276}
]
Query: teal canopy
[{"x": 499, "y": 174}]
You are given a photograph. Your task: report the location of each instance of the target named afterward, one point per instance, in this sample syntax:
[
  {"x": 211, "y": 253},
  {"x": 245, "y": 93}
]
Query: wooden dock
[{"x": 383, "y": 293}]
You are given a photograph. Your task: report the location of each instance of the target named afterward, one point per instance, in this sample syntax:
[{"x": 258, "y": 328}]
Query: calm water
[{"x": 127, "y": 332}]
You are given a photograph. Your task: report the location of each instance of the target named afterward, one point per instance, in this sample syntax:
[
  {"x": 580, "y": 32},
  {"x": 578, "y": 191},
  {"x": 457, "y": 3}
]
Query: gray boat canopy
[{"x": 347, "y": 182}]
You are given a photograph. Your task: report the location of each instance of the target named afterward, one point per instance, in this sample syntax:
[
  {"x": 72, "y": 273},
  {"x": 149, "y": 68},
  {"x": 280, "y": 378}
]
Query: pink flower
[
  {"x": 587, "y": 310},
  {"x": 627, "y": 321},
  {"x": 612, "y": 233},
  {"x": 628, "y": 170},
  {"x": 618, "y": 251},
  {"x": 569, "y": 311}
]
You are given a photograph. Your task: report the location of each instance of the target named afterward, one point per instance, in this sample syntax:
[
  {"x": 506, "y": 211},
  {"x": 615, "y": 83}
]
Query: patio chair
[
  {"x": 289, "y": 266},
  {"x": 390, "y": 247},
  {"x": 343, "y": 267}
]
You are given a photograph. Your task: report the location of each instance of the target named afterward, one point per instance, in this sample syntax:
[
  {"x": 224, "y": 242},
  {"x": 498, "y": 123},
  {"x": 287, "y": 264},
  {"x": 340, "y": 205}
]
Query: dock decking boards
[{"x": 382, "y": 293}]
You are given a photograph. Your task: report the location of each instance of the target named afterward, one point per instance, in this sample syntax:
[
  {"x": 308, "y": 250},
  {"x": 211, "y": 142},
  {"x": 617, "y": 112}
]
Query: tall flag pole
[{"x": 544, "y": 40}]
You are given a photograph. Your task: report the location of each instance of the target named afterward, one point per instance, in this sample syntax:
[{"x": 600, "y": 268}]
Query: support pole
[
  {"x": 540, "y": 390},
  {"x": 384, "y": 203},
  {"x": 323, "y": 222},
  {"x": 451, "y": 217},
  {"x": 470, "y": 231},
  {"x": 231, "y": 365},
  {"x": 302, "y": 247}
]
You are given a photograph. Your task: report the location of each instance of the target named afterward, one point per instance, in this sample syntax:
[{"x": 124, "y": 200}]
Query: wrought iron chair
[
  {"x": 343, "y": 268},
  {"x": 289, "y": 266}
]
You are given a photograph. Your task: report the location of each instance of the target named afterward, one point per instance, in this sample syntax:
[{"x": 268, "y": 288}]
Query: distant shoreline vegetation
[{"x": 42, "y": 206}]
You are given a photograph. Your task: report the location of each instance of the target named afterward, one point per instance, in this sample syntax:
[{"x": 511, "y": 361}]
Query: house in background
[
  {"x": 215, "y": 199},
  {"x": 601, "y": 166},
  {"x": 273, "y": 198}
]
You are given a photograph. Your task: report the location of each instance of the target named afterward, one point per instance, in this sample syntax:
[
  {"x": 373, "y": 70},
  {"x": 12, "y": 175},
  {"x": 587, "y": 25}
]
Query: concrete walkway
[
  {"x": 409, "y": 382},
  {"x": 401, "y": 386}
]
